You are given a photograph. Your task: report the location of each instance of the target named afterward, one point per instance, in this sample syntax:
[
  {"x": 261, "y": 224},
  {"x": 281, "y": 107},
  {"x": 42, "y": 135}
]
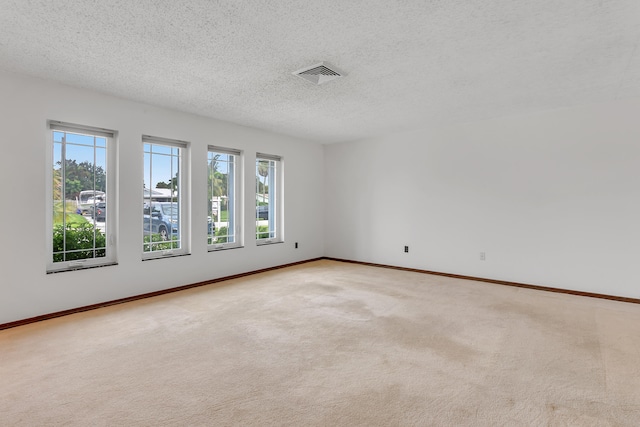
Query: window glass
[
  {"x": 223, "y": 224},
  {"x": 164, "y": 204},
  {"x": 80, "y": 193},
  {"x": 267, "y": 212}
]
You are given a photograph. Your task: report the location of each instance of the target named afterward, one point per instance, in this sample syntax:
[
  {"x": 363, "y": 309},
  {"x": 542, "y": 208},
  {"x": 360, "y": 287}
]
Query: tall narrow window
[
  {"x": 223, "y": 201},
  {"x": 82, "y": 195},
  {"x": 268, "y": 215},
  {"x": 165, "y": 200}
]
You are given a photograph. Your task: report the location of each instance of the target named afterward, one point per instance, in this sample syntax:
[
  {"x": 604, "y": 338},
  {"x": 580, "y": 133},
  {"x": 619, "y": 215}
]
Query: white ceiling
[{"x": 410, "y": 63}]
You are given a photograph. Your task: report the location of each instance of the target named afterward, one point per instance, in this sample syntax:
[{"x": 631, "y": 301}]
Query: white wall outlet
[{"x": 483, "y": 256}]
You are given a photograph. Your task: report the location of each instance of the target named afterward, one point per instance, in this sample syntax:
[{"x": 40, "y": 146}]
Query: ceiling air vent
[{"x": 319, "y": 73}]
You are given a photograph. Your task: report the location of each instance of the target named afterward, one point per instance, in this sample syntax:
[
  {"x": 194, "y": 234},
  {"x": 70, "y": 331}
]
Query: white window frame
[
  {"x": 110, "y": 257},
  {"x": 276, "y": 197},
  {"x": 235, "y": 203},
  {"x": 184, "y": 230}
]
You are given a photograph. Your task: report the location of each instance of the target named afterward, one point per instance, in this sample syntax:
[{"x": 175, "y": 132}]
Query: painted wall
[
  {"x": 553, "y": 199},
  {"x": 26, "y": 290}
]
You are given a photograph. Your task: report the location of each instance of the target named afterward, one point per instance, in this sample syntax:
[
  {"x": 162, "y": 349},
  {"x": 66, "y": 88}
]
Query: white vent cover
[{"x": 319, "y": 73}]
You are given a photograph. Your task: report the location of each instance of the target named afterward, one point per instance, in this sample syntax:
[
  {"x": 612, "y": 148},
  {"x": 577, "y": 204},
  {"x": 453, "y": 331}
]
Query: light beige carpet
[{"x": 330, "y": 344}]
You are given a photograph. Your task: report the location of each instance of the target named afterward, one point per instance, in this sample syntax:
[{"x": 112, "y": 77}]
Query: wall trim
[
  {"x": 494, "y": 281},
  {"x": 144, "y": 296},
  {"x": 264, "y": 270}
]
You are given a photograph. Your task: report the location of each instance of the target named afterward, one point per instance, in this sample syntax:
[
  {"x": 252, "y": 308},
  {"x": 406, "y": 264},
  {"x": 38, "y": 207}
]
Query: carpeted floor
[{"x": 330, "y": 344}]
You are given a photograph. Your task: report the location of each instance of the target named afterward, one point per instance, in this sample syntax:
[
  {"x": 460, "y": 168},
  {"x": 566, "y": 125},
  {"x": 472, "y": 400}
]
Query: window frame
[
  {"x": 276, "y": 201},
  {"x": 237, "y": 204},
  {"x": 111, "y": 196},
  {"x": 183, "y": 198}
]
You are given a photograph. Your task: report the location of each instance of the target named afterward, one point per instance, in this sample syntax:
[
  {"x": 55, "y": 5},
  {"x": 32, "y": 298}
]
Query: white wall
[
  {"x": 552, "y": 198},
  {"x": 26, "y": 290}
]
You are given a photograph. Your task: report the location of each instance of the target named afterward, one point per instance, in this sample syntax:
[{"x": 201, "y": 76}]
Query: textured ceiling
[{"x": 410, "y": 63}]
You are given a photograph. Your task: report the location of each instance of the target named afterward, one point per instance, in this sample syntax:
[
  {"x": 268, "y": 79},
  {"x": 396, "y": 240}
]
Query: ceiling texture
[{"x": 409, "y": 63}]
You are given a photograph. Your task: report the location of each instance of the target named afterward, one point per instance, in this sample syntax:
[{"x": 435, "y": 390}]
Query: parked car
[
  {"x": 98, "y": 211},
  {"x": 88, "y": 198},
  {"x": 161, "y": 218},
  {"x": 262, "y": 212}
]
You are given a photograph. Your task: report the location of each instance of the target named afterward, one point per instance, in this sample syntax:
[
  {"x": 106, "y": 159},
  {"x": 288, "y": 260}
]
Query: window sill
[
  {"x": 163, "y": 256},
  {"x": 223, "y": 248},
  {"x": 267, "y": 243},
  {"x": 79, "y": 267}
]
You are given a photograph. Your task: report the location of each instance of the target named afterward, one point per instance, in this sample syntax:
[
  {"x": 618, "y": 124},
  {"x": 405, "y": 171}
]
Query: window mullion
[
  {"x": 95, "y": 206},
  {"x": 63, "y": 193}
]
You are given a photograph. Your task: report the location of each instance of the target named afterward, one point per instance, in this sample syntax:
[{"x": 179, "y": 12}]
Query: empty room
[{"x": 329, "y": 213}]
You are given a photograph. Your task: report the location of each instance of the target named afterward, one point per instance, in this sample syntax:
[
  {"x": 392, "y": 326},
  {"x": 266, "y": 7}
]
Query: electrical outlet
[
  {"x": 296, "y": 245},
  {"x": 406, "y": 248},
  {"x": 483, "y": 256}
]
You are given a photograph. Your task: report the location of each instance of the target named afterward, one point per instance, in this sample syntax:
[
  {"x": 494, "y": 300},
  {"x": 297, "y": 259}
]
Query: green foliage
[
  {"x": 80, "y": 176},
  {"x": 218, "y": 184},
  {"x": 224, "y": 214},
  {"x": 57, "y": 184},
  {"x": 221, "y": 236},
  {"x": 262, "y": 188},
  {"x": 73, "y": 187},
  {"x": 217, "y": 180},
  {"x": 262, "y": 169},
  {"x": 66, "y": 211},
  {"x": 155, "y": 243},
  {"x": 77, "y": 240},
  {"x": 262, "y": 232}
]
